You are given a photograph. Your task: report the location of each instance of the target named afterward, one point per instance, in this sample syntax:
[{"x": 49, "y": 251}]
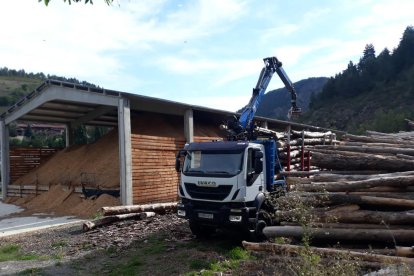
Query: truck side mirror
[
  {"x": 258, "y": 163},
  {"x": 177, "y": 164},
  {"x": 178, "y": 161}
]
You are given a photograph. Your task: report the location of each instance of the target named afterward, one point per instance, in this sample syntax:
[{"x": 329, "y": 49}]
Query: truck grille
[{"x": 212, "y": 193}]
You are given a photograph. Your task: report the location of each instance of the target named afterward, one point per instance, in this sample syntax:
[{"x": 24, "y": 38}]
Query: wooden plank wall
[
  {"x": 153, "y": 168},
  {"x": 207, "y": 139},
  {"x": 23, "y": 160}
]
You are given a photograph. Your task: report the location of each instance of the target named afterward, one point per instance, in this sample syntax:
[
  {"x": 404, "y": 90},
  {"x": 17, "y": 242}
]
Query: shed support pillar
[
  {"x": 189, "y": 126},
  {"x": 125, "y": 158},
  {"x": 70, "y": 135},
  {"x": 5, "y": 158}
]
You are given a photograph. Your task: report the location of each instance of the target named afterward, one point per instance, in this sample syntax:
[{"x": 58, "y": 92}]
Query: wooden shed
[{"x": 148, "y": 133}]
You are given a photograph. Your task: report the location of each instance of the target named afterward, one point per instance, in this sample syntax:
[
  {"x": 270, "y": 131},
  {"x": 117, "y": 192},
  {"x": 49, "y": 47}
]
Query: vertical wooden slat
[{"x": 23, "y": 160}]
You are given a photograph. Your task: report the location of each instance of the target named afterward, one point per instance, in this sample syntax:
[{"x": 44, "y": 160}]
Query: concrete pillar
[
  {"x": 5, "y": 158},
  {"x": 68, "y": 135},
  {"x": 125, "y": 157},
  {"x": 189, "y": 126}
]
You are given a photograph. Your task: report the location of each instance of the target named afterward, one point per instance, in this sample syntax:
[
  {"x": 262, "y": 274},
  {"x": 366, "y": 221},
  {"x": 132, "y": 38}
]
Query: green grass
[
  {"x": 155, "y": 245},
  {"x": 232, "y": 262},
  {"x": 198, "y": 264},
  {"x": 132, "y": 267},
  {"x": 59, "y": 244},
  {"x": 11, "y": 252},
  {"x": 31, "y": 271}
]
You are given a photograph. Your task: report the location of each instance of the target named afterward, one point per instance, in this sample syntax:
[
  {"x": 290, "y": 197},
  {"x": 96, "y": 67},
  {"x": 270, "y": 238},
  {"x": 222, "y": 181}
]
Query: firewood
[
  {"x": 327, "y": 252},
  {"x": 157, "y": 208},
  {"x": 92, "y": 224},
  {"x": 341, "y": 234}
]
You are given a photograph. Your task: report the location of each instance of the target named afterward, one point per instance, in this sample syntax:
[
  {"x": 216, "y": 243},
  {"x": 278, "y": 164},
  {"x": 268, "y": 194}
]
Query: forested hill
[
  {"x": 14, "y": 84},
  {"x": 377, "y": 93},
  {"x": 276, "y": 103}
]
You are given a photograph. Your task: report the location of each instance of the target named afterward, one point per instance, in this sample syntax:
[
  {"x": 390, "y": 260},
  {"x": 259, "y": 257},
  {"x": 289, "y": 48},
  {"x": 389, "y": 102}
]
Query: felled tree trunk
[
  {"x": 157, "y": 208},
  {"x": 311, "y": 134},
  {"x": 92, "y": 224},
  {"x": 351, "y": 225},
  {"x": 340, "y": 160},
  {"x": 389, "y": 140},
  {"x": 327, "y": 252},
  {"x": 366, "y": 200},
  {"x": 346, "y": 186},
  {"x": 404, "y": 251},
  {"x": 376, "y": 150},
  {"x": 353, "y": 176},
  {"x": 338, "y": 234},
  {"x": 354, "y": 216}
]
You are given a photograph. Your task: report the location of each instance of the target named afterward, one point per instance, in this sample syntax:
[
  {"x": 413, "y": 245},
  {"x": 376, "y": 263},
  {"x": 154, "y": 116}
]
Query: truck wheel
[
  {"x": 264, "y": 220},
  {"x": 201, "y": 231}
]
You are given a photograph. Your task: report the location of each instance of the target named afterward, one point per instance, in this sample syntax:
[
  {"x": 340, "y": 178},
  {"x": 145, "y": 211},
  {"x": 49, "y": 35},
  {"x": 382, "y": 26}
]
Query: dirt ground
[{"x": 161, "y": 245}]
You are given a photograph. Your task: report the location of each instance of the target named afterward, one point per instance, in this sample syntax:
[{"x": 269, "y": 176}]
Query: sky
[{"x": 201, "y": 52}]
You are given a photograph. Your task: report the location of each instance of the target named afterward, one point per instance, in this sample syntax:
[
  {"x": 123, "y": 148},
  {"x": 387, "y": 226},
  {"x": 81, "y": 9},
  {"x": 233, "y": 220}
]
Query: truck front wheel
[{"x": 200, "y": 230}]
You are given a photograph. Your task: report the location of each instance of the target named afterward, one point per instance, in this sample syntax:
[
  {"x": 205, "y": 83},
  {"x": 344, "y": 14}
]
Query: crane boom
[{"x": 245, "y": 122}]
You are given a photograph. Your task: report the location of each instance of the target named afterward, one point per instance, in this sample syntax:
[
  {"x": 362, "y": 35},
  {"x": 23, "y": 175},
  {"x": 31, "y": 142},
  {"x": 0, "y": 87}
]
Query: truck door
[{"x": 254, "y": 172}]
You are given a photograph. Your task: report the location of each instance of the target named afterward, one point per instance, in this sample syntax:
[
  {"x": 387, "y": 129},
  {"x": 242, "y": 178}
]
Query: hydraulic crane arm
[{"x": 245, "y": 122}]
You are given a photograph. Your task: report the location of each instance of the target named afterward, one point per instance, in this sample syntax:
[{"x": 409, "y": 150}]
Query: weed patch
[
  {"x": 132, "y": 267},
  {"x": 12, "y": 252}
]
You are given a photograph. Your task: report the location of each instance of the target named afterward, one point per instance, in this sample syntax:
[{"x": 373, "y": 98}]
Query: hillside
[
  {"x": 377, "y": 93},
  {"x": 13, "y": 88},
  {"x": 276, "y": 103},
  {"x": 14, "y": 84}
]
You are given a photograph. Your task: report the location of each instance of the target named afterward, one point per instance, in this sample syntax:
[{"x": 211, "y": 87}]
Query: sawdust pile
[
  {"x": 99, "y": 160},
  {"x": 60, "y": 200}
]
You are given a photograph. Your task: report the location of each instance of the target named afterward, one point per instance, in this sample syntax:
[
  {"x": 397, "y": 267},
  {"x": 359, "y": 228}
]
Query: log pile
[
  {"x": 375, "y": 151},
  {"x": 363, "y": 195},
  {"x": 410, "y": 124},
  {"x": 292, "y": 148}
]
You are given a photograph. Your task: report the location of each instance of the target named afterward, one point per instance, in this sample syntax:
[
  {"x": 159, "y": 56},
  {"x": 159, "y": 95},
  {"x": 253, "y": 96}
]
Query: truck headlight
[
  {"x": 234, "y": 218},
  {"x": 181, "y": 213}
]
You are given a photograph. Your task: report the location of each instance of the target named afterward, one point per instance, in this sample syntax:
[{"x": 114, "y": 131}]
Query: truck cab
[{"x": 223, "y": 184}]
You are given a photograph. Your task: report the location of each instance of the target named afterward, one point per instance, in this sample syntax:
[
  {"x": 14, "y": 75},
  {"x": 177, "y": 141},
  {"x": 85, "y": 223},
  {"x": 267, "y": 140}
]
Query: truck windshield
[{"x": 213, "y": 163}]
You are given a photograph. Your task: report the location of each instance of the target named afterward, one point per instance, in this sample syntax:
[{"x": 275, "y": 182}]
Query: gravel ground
[
  {"x": 60, "y": 245},
  {"x": 67, "y": 250}
]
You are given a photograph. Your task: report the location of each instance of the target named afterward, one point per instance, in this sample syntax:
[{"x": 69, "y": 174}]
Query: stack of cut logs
[
  {"x": 364, "y": 193},
  {"x": 292, "y": 148}
]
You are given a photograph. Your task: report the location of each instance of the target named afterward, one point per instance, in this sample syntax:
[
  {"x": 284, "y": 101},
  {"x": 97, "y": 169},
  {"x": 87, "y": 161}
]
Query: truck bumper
[{"x": 217, "y": 214}]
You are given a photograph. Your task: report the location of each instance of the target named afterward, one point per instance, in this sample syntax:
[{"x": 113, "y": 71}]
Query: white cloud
[
  {"x": 314, "y": 14},
  {"x": 205, "y": 46},
  {"x": 273, "y": 33}
]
